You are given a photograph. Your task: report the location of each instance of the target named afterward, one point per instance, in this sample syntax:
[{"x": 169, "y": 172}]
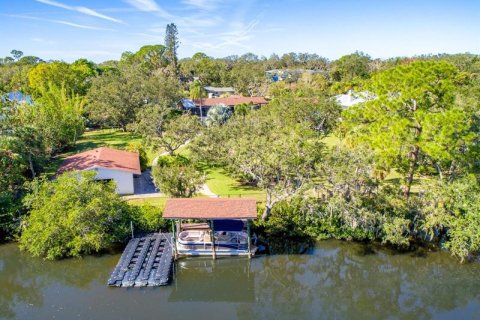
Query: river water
[{"x": 335, "y": 280}]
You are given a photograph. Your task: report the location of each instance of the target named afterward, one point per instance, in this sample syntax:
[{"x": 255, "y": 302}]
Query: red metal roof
[
  {"x": 210, "y": 208},
  {"x": 230, "y": 101},
  {"x": 103, "y": 158}
]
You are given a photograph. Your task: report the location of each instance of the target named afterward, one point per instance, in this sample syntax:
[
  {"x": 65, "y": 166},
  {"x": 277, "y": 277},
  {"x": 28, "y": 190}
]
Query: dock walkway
[{"x": 146, "y": 261}]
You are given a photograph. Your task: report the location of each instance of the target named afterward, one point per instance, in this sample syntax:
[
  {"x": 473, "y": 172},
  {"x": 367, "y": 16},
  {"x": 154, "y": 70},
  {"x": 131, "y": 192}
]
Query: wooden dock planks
[{"x": 146, "y": 261}]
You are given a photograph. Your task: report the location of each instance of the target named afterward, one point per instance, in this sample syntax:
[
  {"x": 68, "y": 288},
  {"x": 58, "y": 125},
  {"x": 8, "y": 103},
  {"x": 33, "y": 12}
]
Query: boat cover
[{"x": 228, "y": 225}]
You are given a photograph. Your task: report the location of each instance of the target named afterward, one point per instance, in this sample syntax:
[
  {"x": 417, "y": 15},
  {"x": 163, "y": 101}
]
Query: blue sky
[{"x": 102, "y": 30}]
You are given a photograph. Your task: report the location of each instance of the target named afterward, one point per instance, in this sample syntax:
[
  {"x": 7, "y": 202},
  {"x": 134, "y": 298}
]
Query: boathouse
[{"x": 211, "y": 226}]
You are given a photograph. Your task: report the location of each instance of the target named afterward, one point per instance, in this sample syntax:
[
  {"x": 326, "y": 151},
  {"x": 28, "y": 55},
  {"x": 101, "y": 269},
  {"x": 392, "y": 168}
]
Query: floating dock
[{"x": 146, "y": 261}]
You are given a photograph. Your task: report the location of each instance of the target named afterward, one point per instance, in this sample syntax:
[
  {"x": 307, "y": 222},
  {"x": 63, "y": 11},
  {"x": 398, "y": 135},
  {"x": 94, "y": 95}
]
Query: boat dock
[{"x": 146, "y": 261}]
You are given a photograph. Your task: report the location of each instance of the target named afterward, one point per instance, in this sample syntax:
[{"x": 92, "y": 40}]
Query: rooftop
[
  {"x": 219, "y": 89},
  {"x": 210, "y": 208},
  {"x": 230, "y": 101},
  {"x": 103, "y": 158},
  {"x": 350, "y": 98},
  {"x": 17, "y": 96}
]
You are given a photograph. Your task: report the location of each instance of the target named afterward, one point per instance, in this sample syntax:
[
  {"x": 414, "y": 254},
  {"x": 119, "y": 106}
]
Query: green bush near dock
[{"x": 75, "y": 215}]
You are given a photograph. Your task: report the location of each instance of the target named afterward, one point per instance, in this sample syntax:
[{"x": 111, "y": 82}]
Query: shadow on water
[
  {"x": 206, "y": 280},
  {"x": 275, "y": 245}
]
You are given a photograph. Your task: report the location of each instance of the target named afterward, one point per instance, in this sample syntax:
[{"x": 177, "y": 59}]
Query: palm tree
[
  {"x": 197, "y": 92},
  {"x": 218, "y": 115}
]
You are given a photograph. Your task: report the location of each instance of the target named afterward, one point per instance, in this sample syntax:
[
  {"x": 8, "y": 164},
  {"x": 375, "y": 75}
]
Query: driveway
[{"x": 143, "y": 184}]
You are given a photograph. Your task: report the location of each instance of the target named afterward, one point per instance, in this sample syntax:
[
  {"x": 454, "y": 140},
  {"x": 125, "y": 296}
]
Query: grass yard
[
  {"x": 156, "y": 202},
  {"x": 113, "y": 138},
  {"x": 220, "y": 183},
  {"x": 225, "y": 186}
]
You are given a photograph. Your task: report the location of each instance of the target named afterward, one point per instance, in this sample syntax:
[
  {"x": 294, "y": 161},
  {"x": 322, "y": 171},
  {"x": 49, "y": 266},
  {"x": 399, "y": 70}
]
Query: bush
[
  {"x": 150, "y": 218},
  {"x": 138, "y": 148},
  {"x": 177, "y": 177},
  {"x": 296, "y": 218},
  {"x": 74, "y": 215}
]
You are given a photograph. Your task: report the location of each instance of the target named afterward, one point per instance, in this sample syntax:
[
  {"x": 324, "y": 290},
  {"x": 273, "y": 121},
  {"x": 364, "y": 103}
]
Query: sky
[{"x": 103, "y": 29}]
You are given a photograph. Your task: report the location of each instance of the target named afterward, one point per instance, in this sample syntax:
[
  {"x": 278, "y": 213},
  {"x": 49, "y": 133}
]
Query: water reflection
[
  {"x": 207, "y": 280},
  {"x": 335, "y": 280},
  {"x": 23, "y": 278}
]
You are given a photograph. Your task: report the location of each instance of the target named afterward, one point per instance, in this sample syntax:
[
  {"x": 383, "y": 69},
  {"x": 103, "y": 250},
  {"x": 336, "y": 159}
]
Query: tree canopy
[
  {"x": 413, "y": 122},
  {"x": 72, "y": 216}
]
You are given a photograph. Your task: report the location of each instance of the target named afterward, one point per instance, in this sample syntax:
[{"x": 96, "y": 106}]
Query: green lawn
[
  {"x": 225, "y": 186},
  {"x": 114, "y": 138},
  {"x": 156, "y": 202}
]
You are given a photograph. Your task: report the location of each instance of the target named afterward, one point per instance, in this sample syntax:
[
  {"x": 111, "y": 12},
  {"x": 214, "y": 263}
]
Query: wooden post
[
  {"x": 131, "y": 228},
  {"x": 174, "y": 227},
  {"x": 249, "y": 240},
  {"x": 214, "y": 255}
]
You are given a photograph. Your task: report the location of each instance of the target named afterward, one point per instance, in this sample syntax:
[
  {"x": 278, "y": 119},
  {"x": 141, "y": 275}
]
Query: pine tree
[{"x": 171, "y": 44}]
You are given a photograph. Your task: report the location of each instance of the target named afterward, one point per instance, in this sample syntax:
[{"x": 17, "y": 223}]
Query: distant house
[
  {"x": 206, "y": 103},
  {"x": 215, "y": 92},
  {"x": 109, "y": 164},
  {"x": 292, "y": 74},
  {"x": 350, "y": 99},
  {"x": 17, "y": 97}
]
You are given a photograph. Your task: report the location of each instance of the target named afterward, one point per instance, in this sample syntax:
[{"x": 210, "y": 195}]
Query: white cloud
[
  {"x": 83, "y": 10},
  {"x": 75, "y": 54},
  {"x": 149, "y": 6},
  {"x": 76, "y": 25},
  {"x": 67, "y": 23},
  {"x": 202, "y": 4},
  {"x": 43, "y": 41}
]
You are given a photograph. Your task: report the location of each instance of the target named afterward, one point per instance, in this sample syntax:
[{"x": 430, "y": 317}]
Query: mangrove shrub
[{"x": 72, "y": 216}]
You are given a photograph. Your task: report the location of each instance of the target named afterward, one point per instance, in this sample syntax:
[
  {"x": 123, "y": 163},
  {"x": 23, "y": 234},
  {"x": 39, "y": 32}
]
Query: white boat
[{"x": 196, "y": 239}]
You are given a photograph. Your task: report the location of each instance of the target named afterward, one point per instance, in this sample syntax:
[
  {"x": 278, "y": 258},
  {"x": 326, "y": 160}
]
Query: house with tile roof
[{"x": 109, "y": 164}]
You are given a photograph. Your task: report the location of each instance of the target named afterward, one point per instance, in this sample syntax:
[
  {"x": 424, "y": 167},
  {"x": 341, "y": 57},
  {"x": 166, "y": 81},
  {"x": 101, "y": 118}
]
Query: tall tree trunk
[
  {"x": 266, "y": 213},
  {"x": 411, "y": 171},
  {"x": 413, "y": 156},
  {"x": 30, "y": 164},
  {"x": 439, "y": 170},
  {"x": 268, "y": 206}
]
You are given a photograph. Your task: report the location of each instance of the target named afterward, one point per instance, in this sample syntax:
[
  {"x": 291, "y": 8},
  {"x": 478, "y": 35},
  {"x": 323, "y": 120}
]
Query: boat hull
[{"x": 218, "y": 252}]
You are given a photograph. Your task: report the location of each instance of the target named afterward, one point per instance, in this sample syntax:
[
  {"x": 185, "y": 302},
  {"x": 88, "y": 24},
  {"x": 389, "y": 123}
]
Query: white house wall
[{"x": 124, "y": 180}]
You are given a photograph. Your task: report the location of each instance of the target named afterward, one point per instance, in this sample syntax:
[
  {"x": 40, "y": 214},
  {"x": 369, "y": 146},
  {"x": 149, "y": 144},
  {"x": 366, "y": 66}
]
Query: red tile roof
[
  {"x": 103, "y": 158},
  {"x": 210, "y": 208},
  {"x": 230, "y": 101}
]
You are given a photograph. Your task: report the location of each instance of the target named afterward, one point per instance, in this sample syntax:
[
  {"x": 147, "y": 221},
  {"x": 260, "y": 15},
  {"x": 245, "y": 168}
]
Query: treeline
[{"x": 405, "y": 169}]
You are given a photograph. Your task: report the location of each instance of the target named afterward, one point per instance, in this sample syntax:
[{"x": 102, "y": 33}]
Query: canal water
[{"x": 335, "y": 280}]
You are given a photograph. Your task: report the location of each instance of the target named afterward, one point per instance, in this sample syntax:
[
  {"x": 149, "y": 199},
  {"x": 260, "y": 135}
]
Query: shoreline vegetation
[{"x": 400, "y": 168}]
